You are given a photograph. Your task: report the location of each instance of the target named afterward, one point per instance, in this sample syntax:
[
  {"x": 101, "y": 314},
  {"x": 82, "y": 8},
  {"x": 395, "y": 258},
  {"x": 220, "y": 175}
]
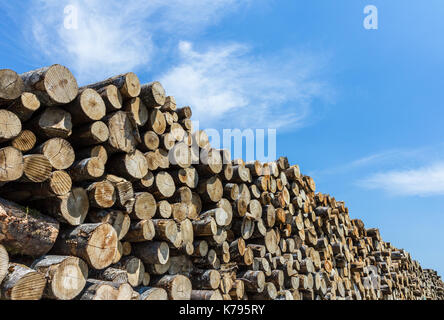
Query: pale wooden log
[
  {"x": 70, "y": 208},
  {"x": 152, "y": 252},
  {"x": 187, "y": 176},
  {"x": 128, "y": 84},
  {"x": 65, "y": 275},
  {"x": 101, "y": 194},
  {"x": 231, "y": 191},
  {"x": 58, "y": 151},
  {"x": 144, "y": 206},
  {"x": 166, "y": 230},
  {"x": 134, "y": 268},
  {"x": 180, "y": 155},
  {"x": 211, "y": 190},
  {"x": 91, "y": 134},
  {"x": 254, "y": 281},
  {"x": 11, "y": 86},
  {"x": 4, "y": 262},
  {"x": 87, "y": 169},
  {"x": 58, "y": 184},
  {"x": 206, "y": 295},
  {"x": 269, "y": 293},
  {"x": 150, "y": 141},
  {"x": 140, "y": 231},
  {"x": 126, "y": 248},
  {"x": 167, "y": 141},
  {"x": 11, "y": 125},
  {"x": 156, "y": 122},
  {"x": 153, "y": 94},
  {"x": 124, "y": 192},
  {"x": 163, "y": 210},
  {"x": 163, "y": 186},
  {"x": 106, "y": 290},
  {"x": 210, "y": 163},
  {"x": 118, "y": 219},
  {"x": 22, "y": 283},
  {"x": 123, "y": 133},
  {"x": 110, "y": 274},
  {"x": 24, "y": 106},
  {"x": 151, "y": 293},
  {"x": 24, "y": 232},
  {"x": 205, "y": 227},
  {"x": 54, "y": 85},
  {"x": 97, "y": 151},
  {"x": 131, "y": 166},
  {"x": 146, "y": 182},
  {"x": 200, "y": 138},
  {"x": 25, "y": 141},
  {"x": 53, "y": 122},
  {"x": 169, "y": 104},
  {"x": 112, "y": 97},
  {"x": 95, "y": 243},
  {"x": 87, "y": 107},
  {"x": 178, "y": 287},
  {"x": 184, "y": 113},
  {"x": 36, "y": 168},
  {"x": 139, "y": 111}
]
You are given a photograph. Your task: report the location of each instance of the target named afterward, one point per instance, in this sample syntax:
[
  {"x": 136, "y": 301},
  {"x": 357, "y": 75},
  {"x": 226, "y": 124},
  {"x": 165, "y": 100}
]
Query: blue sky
[{"x": 359, "y": 110}]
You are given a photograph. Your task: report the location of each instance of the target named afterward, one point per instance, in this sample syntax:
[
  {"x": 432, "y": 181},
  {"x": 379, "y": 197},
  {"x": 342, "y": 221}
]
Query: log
[
  {"x": 134, "y": 269},
  {"x": 156, "y": 122},
  {"x": 128, "y": 84},
  {"x": 11, "y": 86},
  {"x": 11, "y": 125},
  {"x": 106, "y": 290},
  {"x": 111, "y": 97},
  {"x": 166, "y": 229},
  {"x": 11, "y": 164},
  {"x": 54, "y": 85},
  {"x": 211, "y": 190},
  {"x": 131, "y": 166},
  {"x": 24, "y": 106},
  {"x": 206, "y": 295},
  {"x": 150, "y": 141},
  {"x": 140, "y": 231},
  {"x": 151, "y": 293},
  {"x": 163, "y": 186},
  {"x": 186, "y": 176},
  {"x": 58, "y": 151},
  {"x": 24, "y": 231},
  {"x": 153, "y": 94},
  {"x": 4, "y": 262},
  {"x": 25, "y": 141},
  {"x": 110, "y": 274},
  {"x": 144, "y": 207},
  {"x": 65, "y": 276},
  {"x": 36, "y": 168},
  {"x": 152, "y": 252},
  {"x": 123, "y": 133},
  {"x": 95, "y": 243},
  {"x": 138, "y": 110},
  {"x": 124, "y": 192},
  {"x": 70, "y": 208},
  {"x": 22, "y": 283},
  {"x": 116, "y": 218},
  {"x": 53, "y": 122},
  {"x": 101, "y": 194},
  {"x": 178, "y": 287},
  {"x": 91, "y": 134}
]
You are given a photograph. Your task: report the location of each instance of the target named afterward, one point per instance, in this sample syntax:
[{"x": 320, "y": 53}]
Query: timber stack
[{"x": 106, "y": 192}]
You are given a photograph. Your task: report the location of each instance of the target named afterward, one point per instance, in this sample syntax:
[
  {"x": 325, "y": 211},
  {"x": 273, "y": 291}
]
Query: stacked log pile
[{"x": 106, "y": 192}]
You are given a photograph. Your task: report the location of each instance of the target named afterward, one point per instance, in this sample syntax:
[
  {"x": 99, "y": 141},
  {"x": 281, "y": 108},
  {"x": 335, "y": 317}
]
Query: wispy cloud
[
  {"x": 229, "y": 80},
  {"x": 115, "y": 36},
  {"x": 423, "y": 181}
]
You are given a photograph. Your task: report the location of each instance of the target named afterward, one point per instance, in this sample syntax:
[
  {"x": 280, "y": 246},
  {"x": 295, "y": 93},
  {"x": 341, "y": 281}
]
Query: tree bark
[{"x": 22, "y": 283}]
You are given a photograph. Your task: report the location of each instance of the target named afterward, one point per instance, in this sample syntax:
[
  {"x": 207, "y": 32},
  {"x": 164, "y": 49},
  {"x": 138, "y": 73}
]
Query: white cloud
[
  {"x": 115, "y": 36},
  {"x": 229, "y": 81},
  {"x": 423, "y": 181}
]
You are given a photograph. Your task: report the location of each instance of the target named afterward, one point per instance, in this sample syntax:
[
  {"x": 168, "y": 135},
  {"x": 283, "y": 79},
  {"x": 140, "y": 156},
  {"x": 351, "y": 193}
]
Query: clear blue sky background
[{"x": 359, "y": 110}]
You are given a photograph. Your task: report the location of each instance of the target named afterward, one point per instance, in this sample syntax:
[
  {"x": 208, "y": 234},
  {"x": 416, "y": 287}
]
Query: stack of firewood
[{"x": 106, "y": 192}]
